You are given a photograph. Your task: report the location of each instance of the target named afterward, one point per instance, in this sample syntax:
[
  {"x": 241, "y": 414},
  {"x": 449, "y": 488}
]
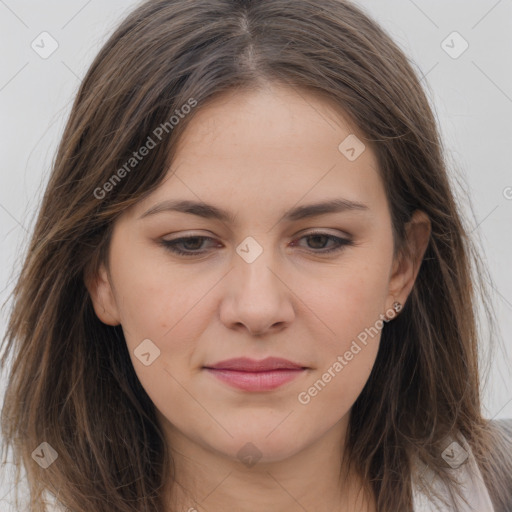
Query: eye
[
  {"x": 190, "y": 246},
  {"x": 320, "y": 238},
  {"x": 190, "y": 241}
]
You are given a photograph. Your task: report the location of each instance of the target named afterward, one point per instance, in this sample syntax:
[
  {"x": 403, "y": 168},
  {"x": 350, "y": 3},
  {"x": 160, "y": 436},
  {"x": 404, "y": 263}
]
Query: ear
[
  {"x": 102, "y": 296},
  {"x": 407, "y": 264}
]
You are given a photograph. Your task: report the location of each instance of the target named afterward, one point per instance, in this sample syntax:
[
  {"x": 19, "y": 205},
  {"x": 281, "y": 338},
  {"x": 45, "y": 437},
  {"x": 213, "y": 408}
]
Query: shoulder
[
  {"x": 504, "y": 426},
  {"x": 500, "y": 460},
  {"x": 474, "y": 482}
]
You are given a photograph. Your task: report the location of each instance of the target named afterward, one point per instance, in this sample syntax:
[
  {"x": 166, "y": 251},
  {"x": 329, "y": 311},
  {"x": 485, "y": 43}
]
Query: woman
[{"x": 181, "y": 342}]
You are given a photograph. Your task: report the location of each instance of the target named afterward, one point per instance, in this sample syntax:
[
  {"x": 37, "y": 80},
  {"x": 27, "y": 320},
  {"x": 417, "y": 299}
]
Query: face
[{"x": 263, "y": 282}]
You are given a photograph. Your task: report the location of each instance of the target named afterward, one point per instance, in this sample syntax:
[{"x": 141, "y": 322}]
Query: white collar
[{"x": 459, "y": 455}]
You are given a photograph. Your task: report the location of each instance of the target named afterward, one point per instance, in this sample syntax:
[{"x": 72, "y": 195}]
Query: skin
[{"x": 258, "y": 154}]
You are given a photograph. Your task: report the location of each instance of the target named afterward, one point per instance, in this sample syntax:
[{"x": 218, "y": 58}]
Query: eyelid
[
  {"x": 306, "y": 232},
  {"x": 340, "y": 243},
  {"x": 324, "y": 231}
]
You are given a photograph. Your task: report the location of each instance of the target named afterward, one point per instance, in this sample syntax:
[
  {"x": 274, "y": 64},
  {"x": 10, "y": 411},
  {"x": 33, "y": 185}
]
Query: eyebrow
[{"x": 209, "y": 211}]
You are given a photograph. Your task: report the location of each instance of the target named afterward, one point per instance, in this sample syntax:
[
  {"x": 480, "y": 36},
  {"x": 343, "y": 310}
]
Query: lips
[
  {"x": 252, "y": 375},
  {"x": 244, "y": 364}
]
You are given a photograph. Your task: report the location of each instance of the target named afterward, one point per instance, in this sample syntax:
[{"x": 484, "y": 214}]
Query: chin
[{"x": 257, "y": 445}]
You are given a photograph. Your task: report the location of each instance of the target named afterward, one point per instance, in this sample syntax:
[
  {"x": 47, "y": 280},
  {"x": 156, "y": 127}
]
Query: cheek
[
  {"x": 350, "y": 305},
  {"x": 346, "y": 358},
  {"x": 154, "y": 297},
  {"x": 166, "y": 305},
  {"x": 350, "y": 298}
]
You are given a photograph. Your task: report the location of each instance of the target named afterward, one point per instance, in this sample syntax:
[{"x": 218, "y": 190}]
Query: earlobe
[
  {"x": 408, "y": 262},
  {"x": 102, "y": 297}
]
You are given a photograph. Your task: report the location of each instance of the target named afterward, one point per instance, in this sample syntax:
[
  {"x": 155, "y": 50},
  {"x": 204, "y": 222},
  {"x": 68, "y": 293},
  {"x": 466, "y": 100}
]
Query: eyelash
[{"x": 171, "y": 245}]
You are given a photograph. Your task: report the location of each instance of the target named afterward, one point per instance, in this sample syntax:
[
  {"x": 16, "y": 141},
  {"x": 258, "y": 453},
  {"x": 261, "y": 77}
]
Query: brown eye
[
  {"x": 191, "y": 245},
  {"x": 319, "y": 240}
]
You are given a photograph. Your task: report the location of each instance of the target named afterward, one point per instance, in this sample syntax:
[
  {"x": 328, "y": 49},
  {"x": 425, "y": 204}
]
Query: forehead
[
  {"x": 274, "y": 116},
  {"x": 274, "y": 145}
]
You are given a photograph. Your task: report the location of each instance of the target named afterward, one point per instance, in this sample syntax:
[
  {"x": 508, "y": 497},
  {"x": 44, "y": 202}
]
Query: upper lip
[{"x": 252, "y": 365}]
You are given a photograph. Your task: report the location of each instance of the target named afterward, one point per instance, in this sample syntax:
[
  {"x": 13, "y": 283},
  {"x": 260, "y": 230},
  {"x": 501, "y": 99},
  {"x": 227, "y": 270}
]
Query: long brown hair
[{"x": 72, "y": 384}]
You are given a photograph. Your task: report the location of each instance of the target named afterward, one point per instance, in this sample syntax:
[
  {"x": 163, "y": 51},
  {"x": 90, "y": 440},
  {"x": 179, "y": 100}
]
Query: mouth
[{"x": 251, "y": 375}]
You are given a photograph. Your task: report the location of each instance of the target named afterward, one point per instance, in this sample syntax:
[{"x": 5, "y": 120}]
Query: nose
[{"x": 256, "y": 297}]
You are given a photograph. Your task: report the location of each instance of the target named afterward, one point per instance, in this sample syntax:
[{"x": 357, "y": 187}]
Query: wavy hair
[{"x": 71, "y": 381}]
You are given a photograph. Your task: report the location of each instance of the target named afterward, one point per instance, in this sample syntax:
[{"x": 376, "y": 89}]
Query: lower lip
[{"x": 256, "y": 381}]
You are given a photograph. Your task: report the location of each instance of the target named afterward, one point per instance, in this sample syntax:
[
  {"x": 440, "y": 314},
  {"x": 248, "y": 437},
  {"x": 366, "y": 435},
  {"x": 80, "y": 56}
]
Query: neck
[{"x": 309, "y": 480}]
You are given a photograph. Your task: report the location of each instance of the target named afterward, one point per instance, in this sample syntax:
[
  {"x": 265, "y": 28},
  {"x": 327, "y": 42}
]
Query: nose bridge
[
  {"x": 257, "y": 298},
  {"x": 255, "y": 261}
]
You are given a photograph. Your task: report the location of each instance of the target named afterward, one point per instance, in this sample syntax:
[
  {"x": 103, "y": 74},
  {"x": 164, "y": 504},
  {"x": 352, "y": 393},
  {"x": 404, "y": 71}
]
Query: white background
[{"x": 472, "y": 96}]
